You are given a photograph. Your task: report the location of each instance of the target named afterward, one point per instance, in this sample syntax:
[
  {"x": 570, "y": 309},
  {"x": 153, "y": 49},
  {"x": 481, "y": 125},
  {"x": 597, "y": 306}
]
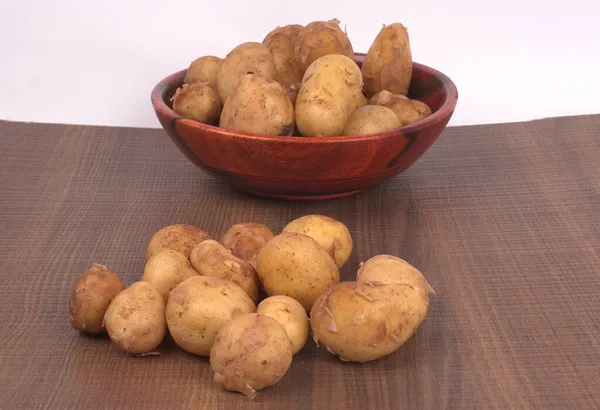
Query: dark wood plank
[{"x": 502, "y": 219}]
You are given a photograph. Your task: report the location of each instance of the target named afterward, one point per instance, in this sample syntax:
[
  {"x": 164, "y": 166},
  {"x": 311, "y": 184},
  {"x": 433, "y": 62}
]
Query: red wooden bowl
[{"x": 309, "y": 167}]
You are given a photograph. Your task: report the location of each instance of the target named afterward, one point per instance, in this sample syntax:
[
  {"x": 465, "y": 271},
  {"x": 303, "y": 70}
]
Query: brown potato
[
  {"x": 280, "y": 43},
  {"x": 166, "y": 269},
  {"x": 197, "y": 101},
  {"x": 321, "y": 38},
  {"x": 408, "y": 111},
  {"x": 292, "y": 91},
  {"x": 92, "y": 293},
  {"x": 204, "y": 69},
  {"x": 179, "y": 237},
  {"x": 290, "y": 314},
  {"x": 388, "y": 64},
  {"x": 370, "y": 119},
  {"x": 210, "y": 258},
  {"x": 387, "y": 269},
  {"x": 246, "y": 239}
]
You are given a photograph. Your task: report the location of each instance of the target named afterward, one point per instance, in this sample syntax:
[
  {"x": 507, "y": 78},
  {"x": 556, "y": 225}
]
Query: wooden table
[{"x": 504, "y": 221}]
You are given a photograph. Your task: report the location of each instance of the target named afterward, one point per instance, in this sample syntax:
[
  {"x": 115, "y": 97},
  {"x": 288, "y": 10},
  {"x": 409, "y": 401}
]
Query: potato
[
  {"x": 387, "y": 269},
  {"x": 92, "y": 293},
  {"x": 204, "y": 69},
  {"x": 321, "y": 38},
  {"x": 245, "y": 239},
  {"x": 199, "y": 306},
  {"x": 330, "y": 233},
  {"x": 178, "y": 237},
  {"x": 292, "y": 91},
  {"x": 385, "y": 98},
  {"x": 251, "y": 352},
  {"x": 166, "y": 269},
  {"x": 296, "y": 265},
  {"x": 364, "y": 322},
  {"x": 210, "y": 258},
  {"x": 247, "y": 57},
  {"x": 370, "y": 119},
  {"x": 362, "y": 100},
  {"x": 388, "y": 63},
  {"x": 258, "y": 105},
  {"x": 407, "y": 110},
  {"x": 330, "y": 92},
  {"x": 197, "y": 101},
  {"x": 290, "y": 314},
  {"x": 280, "y": 43},
  {"x": 135, "y": 319}
]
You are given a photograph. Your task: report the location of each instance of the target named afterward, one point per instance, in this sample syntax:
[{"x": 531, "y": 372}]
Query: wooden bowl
[{"x": 309, "y": 167}]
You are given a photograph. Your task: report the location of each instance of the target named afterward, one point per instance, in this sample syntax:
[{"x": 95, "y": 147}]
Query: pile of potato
[
  {"x": 207, "y": 295},
  {"x": 303, "y": 81}
]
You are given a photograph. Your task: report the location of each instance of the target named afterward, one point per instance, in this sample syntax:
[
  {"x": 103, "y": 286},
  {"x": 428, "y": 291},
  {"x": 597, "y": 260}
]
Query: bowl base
[{"x": 292, "y": 197}]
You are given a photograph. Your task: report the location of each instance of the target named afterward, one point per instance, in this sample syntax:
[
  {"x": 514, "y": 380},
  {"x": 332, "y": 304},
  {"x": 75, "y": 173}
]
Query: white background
[{"x": 95, "y": 62}]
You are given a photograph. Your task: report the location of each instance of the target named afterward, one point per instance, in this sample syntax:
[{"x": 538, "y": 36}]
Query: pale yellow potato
[
  {"x": 166, "y": 269},
  {"x": 210, "y": 258},
  {"x": 370, "y": 119},
  {"x": 179, "y": 237},
  {"x": 387, "y": 269},
  {"x": 197, "y": 101},
  {"x": 258, "y": 105},
  {"x": 321, "y": 38},
  {"x": 362, "y": 100},
  {"x": 295, "y": 265},
  {"x": 280, "y": 43},
  {"x": 251, "y": 352},
  {"x": 407, "y": 110},
  {"x": 388, "y": 63},
  {"x": 92, "y": 293},
  {"x": 290, "y": 314},
  {"x": 204, "y": 69},
  {"x": 135, "y": 319},
  {"x": 199, "y": 306},
  {"x": 246, "y": 239}
]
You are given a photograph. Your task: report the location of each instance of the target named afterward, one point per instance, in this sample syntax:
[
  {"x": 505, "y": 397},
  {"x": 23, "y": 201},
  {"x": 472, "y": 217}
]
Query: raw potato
[
  {"x": 251, "y": 352},
  {"x": 292, "y": 91},
  {"x": 321, "y": 38},
  {"x": 290, "y": 314},
  {"x": 330, "y": 92},
  {"x": 92, "y": 293},
  {"x": 199, "y": 306},
  {"x": 371, "y": 119},
  {"x": 388, "y": 64},
  {"x": 197, "y": 101},
  {"x": 387, "y": 269},
  {"x": 166, "y": 269},
  {"x": 258, "y": 105},
  {"x": 296, "y": 265},
  {"x": 407, "y": 110},
  {"x": 135, "y": 319},
  {"x": 280, "y": 43},
  {"x": 178, "y": 237},
  {"x": 204, "y": 69},
  {"x": 364, "y": 322},
  {"x": 330, "y": 233},
  {"x": 362, "y": 100},
  {"x": 247, "y": 57},
  {"x": 210, "y": 258},
  {"x": 245, "y": 239}
]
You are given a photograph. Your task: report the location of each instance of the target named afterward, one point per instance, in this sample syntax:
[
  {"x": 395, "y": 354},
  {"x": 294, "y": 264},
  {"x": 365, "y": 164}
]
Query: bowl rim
[{"x": 445, "y": 110}]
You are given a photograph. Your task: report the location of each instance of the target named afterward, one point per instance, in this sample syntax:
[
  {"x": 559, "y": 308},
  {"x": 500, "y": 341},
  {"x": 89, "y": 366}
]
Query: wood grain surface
[{"x": 503, "y": 220}]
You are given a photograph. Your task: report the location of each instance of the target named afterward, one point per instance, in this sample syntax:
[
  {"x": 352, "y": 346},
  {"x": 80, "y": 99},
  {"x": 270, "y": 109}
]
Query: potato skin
[
  {"x": 135, "y": 319},
  {"x": 179, "y": 237},
  {"x": 92, "y": 293},
  {"x": 258, "y": 105},
  {"x": 296, "y": 265},
  {"x": 364, "y": 322},
  {"x": 210, "y": 258},
  {"x": 408, "y": 111},
  {"x": 388, "y": 269},
  {"x": 245, "y": 239},
  {"x": 166, "y": 269},
  {"x": 290, "y": 314},
  {"x": 204, "y": 69},
  {"x": 280, "y": 43},
  {"x": 388, "y": 63},
  {"x": 321, "y": 38},
  {"x": 371, "y": 119},
  {"x": 247, "y": 57},
  {"x": 251, "y": 352},
  {"x": 197, "y": 101},
  {"x": 199, "y": 306}
]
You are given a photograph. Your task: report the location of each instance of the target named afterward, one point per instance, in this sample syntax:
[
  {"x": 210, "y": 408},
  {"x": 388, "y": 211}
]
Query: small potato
[
  {"x": 258, "y": 106},
  {"x": 296, "y": 265},
  {"x": 178, "y": 237},
  {"x": 92, "y": 293},
  {"x": 205, "y": 70},
  {"x": 370, "y": 119},
  {"x": 321, "y": 38},
  {"x": 290, "y": 314},
  {"x": 166, "y": 269},
  {"x": 251, "y": 352},
  {"x": 387, "y": 269},
  {"x": 362, "y": 100},
  {"x": 388, "y": 63},
  {"x": 247, "y": 57},
  {"x": 292, "y": 91},
  {"x": 210, "y": 258},
  {"x": 199, "y": 306},
  {"x": 280, "y": 43},
  {"x": 245, "y": 239},
  {"x": 364, "y": 322},
  {"x": 407, "y": 110},
  {"x": 135, "y": 319},
  {"x": 197, "y": 101},
  {"x": 330, "y": 233}
]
